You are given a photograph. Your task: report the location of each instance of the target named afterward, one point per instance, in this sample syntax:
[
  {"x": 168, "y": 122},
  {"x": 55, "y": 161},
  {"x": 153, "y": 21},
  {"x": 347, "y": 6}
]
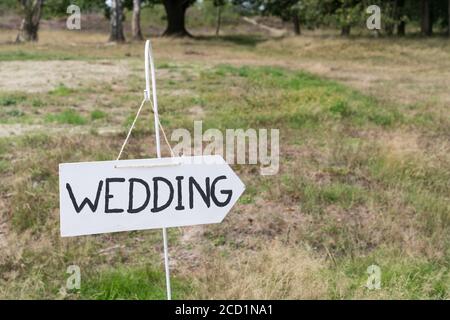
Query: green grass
[
  {"x": 15, "y": 113},
  {"x": 131, "y": 283},
  {"x": 4, "y": 166},
  {"x": 313, "y": 197},
  {"x": 61, "y": 91},
  {"x": 20, "y": 55},
  {"x": 402, "y": 277},
  {"x": 32, "y": 206},
  {"x": 301, "y": 100},
  {"x": 13, "y": 110},
  {"x": 34, "y": 199},
  {"x": 12, "y": 99},
  {"x": 37, "y": 103},
  {"x": 97, "y": 115},
  {"x": 166, "y": 65},
  {"x": 66, "y": 117}
]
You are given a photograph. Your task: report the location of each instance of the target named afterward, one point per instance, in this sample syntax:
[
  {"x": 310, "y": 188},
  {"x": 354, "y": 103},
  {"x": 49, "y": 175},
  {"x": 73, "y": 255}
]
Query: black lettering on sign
[
  {"x": 91, "y": 205},
  {"x": 209, "y": 191},
  {"x": 206, "y": 195},
  {"x": 155, "y": 194},
  {"x": 180, "y": 195},
  {"x": 130, "y": 198},
  {"x": 229, "y": 193},
  {"x": 110, "y": 196}
]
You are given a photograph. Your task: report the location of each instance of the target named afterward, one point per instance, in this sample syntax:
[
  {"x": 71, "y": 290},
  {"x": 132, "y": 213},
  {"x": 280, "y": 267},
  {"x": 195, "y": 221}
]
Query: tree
[
  {"x": 219, "y": 4},
  {"x": 135, "y": 6},
  {"x": 7, "y": 6},
  {"x": 401, "y": 20},
  {"x": 58, "y": 8},
  {"x": 426, "y": 22},
  {"x": 287, "y": 10},
  {"x": 116, "y": 18},
  {"x": 176, "y": 12},
  {"x": 296, "y": 21},
  {"x": 32, "y": 12},
  {"x": 308, "y": 13},
  {"x": 136, "y": 21},
  {"x": 390, "y": 12},
  {"x": 440, "y": 15},
  {"x": 348, "y": 13},
  {"x": 448, "y": 18}
]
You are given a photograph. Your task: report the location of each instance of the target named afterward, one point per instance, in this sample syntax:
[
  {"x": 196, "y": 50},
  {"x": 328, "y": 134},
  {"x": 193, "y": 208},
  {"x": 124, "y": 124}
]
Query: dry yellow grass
[{"x": 276, "y": 271}]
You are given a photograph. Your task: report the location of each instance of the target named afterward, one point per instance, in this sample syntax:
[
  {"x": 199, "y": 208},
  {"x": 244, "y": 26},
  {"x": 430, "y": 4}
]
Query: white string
[
  {"x": 164, "y": 134},
  {"x": 132, "y": 127}
]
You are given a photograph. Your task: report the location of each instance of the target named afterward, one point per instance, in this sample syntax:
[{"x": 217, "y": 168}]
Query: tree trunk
[
  {"x": 136, "y": 21},
  {"x": 117, "y": 21},
  {"x": 448, "y": 14},
  {"x": 401, "y": 26},
  {"x": 296, "y": 21},
  {"x": 401, "y": 29},
  {"x": 345, "y": 31},
  {"x": 219, "y": 19},
  {"x": 29, "y": 27},
  {"x": 426, "y": 20},
  {"x": 176, "y": 11}
]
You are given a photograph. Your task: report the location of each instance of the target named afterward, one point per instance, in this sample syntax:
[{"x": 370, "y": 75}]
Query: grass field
[{"x": 364, "y": 176}]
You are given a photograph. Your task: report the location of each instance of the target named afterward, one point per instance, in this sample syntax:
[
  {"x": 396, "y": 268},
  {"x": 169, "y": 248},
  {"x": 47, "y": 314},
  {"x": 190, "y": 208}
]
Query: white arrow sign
[{"x": 110, "y": 196}]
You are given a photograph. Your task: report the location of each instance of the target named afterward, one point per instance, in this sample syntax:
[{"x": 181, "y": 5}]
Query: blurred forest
[{"x": 398, "y": 17}]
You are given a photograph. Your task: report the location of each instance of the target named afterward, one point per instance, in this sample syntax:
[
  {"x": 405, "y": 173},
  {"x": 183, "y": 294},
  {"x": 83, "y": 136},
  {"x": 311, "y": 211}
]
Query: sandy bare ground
[
  {"x": 7, "y": 130},
  {"x": 272, "y": 31},
  {"x": 41, "y": 76}
]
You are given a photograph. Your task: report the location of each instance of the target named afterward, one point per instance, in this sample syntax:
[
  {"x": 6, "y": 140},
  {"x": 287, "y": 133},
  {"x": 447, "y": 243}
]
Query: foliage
[
  {"x": 311, "y": 13},
  {"x": 7, "y": 5},
  {"x": 56, "y": 8}
]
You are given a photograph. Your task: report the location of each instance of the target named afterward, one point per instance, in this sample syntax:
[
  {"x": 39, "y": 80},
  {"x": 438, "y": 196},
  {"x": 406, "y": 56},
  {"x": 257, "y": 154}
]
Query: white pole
[{"x": 149, "y": 58}]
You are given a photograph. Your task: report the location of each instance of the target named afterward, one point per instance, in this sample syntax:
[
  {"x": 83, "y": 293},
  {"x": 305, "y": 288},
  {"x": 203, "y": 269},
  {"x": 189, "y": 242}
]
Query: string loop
[{"x": 133, "y": 125}]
